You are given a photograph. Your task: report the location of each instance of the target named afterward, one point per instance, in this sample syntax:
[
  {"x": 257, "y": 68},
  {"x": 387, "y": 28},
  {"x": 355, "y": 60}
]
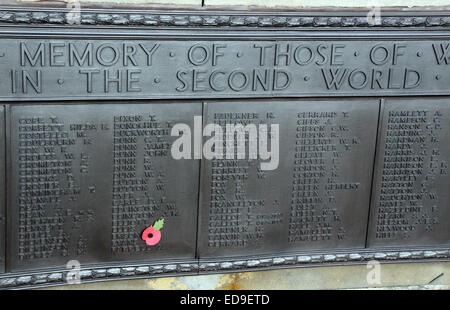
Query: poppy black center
[{"x": 150, "y": 235}]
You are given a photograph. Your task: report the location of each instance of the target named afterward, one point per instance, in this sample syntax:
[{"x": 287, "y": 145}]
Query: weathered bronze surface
[
  {"x": 85, "y": 119},
  {"x": 2, "y": 190},
  {"x": 86, "y": 180},
  {"x": 162, "y": 68},
  {"x": 411, "y": 185},
  {"x": 311, "y": 200}
]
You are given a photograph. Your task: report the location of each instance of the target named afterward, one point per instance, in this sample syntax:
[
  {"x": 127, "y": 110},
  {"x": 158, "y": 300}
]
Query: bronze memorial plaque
[
  {"x": 37, "y": 69},
  {"x": 143, "y": 143},
  {"x": 2, "y": 190},
  {"x": 88, "y": 179},
  {"x": 314, "y": 196},
  {"x": 412, "y": 182}
]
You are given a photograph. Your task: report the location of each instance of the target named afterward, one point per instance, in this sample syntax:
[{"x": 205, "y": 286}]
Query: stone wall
[
  {"x": 270, "y": 3},
  {"x": 399, "y": 275}
]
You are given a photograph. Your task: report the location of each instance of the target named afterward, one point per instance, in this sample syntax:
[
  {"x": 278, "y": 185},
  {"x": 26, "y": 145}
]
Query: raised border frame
[{"x": 416, "y": 24}]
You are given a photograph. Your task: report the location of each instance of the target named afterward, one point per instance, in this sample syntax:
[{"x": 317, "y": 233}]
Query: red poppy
[{"x": 152, "y": 234}]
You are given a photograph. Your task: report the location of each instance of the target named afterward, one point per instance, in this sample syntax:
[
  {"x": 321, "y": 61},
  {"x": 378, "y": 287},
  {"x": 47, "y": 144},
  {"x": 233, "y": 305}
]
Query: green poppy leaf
[{"x": 159, "y": 224}]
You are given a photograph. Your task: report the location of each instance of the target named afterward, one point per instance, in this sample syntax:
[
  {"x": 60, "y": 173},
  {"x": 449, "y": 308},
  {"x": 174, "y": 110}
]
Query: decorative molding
[
  {"x": 323, "y": 259},
  {"x": 53, "y": 278},
  {"x": 10, "y": 16},
  {"x": 235, "y": 19}
]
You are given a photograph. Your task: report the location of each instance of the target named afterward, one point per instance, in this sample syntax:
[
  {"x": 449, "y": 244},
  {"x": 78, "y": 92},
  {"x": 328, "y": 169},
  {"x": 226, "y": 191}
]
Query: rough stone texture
[
  {"x": 318, "y": 3},
  {"x": 392, "y": 276},
  {"x": 201, "y": 19},
  {"x": 274, "y": 3},
  {"x": 178, "y": 2},
  {"x": 202, "y": 267}
]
